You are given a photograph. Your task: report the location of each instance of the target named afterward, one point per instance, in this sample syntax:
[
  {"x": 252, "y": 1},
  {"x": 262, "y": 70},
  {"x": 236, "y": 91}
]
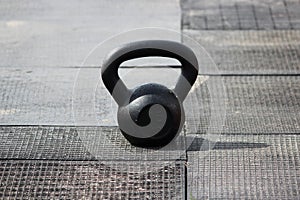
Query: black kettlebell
[{"x": 150, "y": 115}]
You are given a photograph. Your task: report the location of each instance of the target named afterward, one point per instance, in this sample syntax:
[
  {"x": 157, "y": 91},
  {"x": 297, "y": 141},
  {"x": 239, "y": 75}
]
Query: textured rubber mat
[
  {"x": 240, "y": 15},
  {"x": 65, "y": 96},
  {"x": 245, "y": 167},
  {"x": 36, "y": 179},
  {"x": 61, "y": 34},
  {"x": 247, "y": 52},
  {"x": 254, "y": 105},
  {"x": 79, "y": 143},
  {"x": 35, "y": 98}
]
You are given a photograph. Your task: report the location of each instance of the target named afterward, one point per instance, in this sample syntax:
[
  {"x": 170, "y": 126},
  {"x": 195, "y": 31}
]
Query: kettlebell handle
[{"x": 160, "y": 48}]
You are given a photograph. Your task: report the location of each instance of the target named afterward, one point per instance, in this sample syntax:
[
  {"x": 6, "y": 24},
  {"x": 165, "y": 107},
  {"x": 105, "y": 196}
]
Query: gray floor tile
[
  {"x": 37, "y": 179},
  {"x": 241, "y": 15},
  {"x": 58, "y": 33},
  {"x": 246, "y": 52},
  {"x": 79, "y": 143},
  {"x": 245, "y": 167}
]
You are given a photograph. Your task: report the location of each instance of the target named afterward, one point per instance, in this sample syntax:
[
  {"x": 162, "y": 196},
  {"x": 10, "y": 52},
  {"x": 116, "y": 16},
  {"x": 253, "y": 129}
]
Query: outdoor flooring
[{"x": 58, "y": 130}]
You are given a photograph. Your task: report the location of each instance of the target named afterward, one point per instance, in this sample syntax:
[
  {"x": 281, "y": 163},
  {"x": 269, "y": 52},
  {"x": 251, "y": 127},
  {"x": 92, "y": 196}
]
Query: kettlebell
[{"x": 150, "y": 115}]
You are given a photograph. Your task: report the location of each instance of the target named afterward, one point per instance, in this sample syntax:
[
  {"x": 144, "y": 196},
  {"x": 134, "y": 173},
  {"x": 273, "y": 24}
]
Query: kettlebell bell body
[{"x": 150, "y": 115}]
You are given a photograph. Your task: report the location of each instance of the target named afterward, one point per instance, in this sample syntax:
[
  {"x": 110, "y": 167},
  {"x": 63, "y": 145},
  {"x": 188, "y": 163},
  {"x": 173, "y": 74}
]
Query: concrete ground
[{"x": 58, "y": 132}]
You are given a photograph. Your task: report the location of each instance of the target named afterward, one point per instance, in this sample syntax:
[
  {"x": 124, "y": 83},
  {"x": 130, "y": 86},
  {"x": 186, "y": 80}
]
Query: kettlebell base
[{"x": 149, "y": 142}]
